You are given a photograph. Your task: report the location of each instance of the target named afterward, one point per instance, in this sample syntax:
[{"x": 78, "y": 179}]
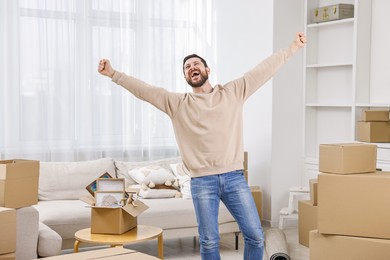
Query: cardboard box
[
  {"x": 307, "y": 220},
  {"x": 115, "y": 253},
  {"x": 258, "y": 197},
  {"x": 18, "y": 183},
  {"x": 313, "y": 185},
  {"x": 331, "y": 247},
  {"x": 7, "y": 230},
  {"x": 373, "y": 132},
  {"x": 347, "y": 158},
  {"x": 375, "y": 115},
  {"x": 332, "y": 12},
  {"x": 106, "y": 220},
  {"x": 354, "y": 205},
  {"x": 11, "y": 256}
]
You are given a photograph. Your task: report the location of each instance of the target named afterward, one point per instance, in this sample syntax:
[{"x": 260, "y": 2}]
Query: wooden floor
[{"x": 188, "y": 249}]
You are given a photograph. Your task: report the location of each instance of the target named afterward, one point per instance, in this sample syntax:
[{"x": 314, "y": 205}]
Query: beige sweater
[{"x": 209, "y": 127}]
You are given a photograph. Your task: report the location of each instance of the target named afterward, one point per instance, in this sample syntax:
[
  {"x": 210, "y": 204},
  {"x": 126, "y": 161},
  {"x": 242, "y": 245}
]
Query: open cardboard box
[{"x": 116, "y": 219}]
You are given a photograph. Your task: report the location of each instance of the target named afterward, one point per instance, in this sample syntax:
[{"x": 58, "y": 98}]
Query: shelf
[
  {"x": 336, "y": 77},
  {"x": 328, "y": 105},
  {"x": 372, "y": 105},
  {"x": 330, "y": 65},
  {"x": 331, "y": 23}
]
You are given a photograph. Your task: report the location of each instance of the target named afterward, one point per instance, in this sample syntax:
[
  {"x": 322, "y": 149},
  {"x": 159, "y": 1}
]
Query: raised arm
[
  {"x": 260, "y": 74},
  {"x": 166, "y": 101}
]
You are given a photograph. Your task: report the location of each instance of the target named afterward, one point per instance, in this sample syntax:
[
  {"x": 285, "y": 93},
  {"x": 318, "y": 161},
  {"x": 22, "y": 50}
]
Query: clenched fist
[{"x": 105, "y": 68}]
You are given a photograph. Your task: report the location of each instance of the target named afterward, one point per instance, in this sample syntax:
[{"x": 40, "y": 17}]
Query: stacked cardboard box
[
  {"x": 353, "y": 205},
  {"x": 8, "y": 233},
  {"x": 307, "y": 214},
  {"x": 374, "y": 126},
  {"x": 258, "y": 198},
  {"x": 18, "y": 188}
]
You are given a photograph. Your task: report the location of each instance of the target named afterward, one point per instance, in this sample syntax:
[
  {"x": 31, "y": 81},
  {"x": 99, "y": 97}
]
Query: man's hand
[
  {"x": 300, "y": 39},
  {"x": 105, "y": 68}
]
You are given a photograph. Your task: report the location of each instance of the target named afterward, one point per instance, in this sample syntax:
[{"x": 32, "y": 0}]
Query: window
[{"x": 56, "y": 106}]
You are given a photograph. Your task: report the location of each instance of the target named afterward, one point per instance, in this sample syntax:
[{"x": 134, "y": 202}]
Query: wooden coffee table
[{"x": 137, "y": 234}]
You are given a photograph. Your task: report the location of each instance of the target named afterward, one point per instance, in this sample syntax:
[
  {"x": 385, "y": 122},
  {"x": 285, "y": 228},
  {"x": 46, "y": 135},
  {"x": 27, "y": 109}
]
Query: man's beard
[{"x": 203, "y": 78}]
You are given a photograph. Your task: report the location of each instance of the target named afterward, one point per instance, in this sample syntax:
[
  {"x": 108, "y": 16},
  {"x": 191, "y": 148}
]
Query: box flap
[{"x": 135, "y": 208}]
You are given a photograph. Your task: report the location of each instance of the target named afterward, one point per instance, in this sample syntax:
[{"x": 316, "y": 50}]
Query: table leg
[
  {"x": 76, "y": 246},
  {"x": 160, "y": 246}
]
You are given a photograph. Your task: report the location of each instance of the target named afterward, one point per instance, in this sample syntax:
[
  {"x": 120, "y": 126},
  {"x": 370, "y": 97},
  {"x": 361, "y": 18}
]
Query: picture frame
[
  {"x": 110, "y": 184},
  {"x": 91, "y": 188},
  {"x": 109, "y": 199}
]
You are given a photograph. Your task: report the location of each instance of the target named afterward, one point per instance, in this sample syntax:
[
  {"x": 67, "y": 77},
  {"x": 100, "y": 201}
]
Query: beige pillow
[
  {"x": 67, "y": 180},
  {"x": 152, "y": 175},
  {"x": 123, "y": 168},
  {"x": 157, "y": 193}
]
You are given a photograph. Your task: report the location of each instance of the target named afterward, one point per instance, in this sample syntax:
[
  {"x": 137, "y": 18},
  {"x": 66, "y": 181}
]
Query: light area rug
[{"x": 275, "y": 245}]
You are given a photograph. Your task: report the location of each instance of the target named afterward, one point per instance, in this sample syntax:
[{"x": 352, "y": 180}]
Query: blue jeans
[{"x": 232, "y": 189}]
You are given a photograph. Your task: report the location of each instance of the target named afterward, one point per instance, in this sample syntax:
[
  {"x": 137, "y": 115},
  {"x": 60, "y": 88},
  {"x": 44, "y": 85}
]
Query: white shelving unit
[{"x": 336, "y": 79}]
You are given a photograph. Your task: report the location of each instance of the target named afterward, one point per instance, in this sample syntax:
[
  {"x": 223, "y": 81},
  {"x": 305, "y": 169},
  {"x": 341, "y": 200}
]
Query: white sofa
[{"x": 61, "y": 184}]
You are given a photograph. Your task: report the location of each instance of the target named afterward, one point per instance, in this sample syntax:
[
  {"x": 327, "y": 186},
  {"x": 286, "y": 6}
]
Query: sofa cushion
[
  {"x": 67, "y": 180},
  {"x": 175, "y": 213},
  {"x": 49, "y": 242},
  {"x": 65, "y": 216},
  {"x": 123, "y": 168}
]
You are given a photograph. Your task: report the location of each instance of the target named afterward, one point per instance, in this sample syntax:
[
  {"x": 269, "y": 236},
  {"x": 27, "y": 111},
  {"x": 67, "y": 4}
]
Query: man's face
[{"x": 195, "y": 73}]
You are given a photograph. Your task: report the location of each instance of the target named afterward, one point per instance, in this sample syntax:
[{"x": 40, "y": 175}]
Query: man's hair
[{"x": 194, "y": 56}]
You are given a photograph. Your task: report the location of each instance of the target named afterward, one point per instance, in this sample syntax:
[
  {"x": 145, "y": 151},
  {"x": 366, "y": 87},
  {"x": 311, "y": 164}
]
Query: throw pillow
[
  {"x": 152, "y": 176},
  {"x": 158, "y": 193},
  {"x": 184, "y": 178},
  {"x": 123, "y": 168}
]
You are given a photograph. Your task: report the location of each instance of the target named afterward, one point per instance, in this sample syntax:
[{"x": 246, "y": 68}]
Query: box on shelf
[
  {"x": 18, "y": 183},
  {"x": 332, "y": 12},
  {"x": 354, "y": 205},
  {"x": 375, "y": 115},
  {"x": 307, "y": 220},
  {"x": 373, "y": 132},
  {"x": 325, "y": 247},
  {"x": 8, "y": 230},
  {"x": 258, "y": 197},
  {"x": 347, "y": 158},
  {"x": 313, "y": 183}
]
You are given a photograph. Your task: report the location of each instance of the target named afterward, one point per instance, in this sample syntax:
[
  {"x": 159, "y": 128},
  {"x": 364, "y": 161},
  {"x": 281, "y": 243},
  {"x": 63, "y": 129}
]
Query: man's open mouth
[{"x": 195, "y": 74}]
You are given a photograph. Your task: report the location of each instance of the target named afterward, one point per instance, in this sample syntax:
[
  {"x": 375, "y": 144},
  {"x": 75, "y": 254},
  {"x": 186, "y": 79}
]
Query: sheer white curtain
[{"x": 54, "y": 106}]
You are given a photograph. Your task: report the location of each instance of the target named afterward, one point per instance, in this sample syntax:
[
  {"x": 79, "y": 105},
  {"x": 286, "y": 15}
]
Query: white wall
[
  {"x": 286, "y": 108},
  {"x": 244, "y": 38},
  {"x": 380, "y": 52}
]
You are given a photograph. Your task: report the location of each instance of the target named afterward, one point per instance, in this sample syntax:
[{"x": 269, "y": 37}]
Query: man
[{"x": 209, "y": 132}]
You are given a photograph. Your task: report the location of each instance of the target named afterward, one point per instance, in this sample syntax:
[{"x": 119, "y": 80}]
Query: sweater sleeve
[
  {"x": 252, "y": 80},
  {"x": 166, "y": 101}
]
